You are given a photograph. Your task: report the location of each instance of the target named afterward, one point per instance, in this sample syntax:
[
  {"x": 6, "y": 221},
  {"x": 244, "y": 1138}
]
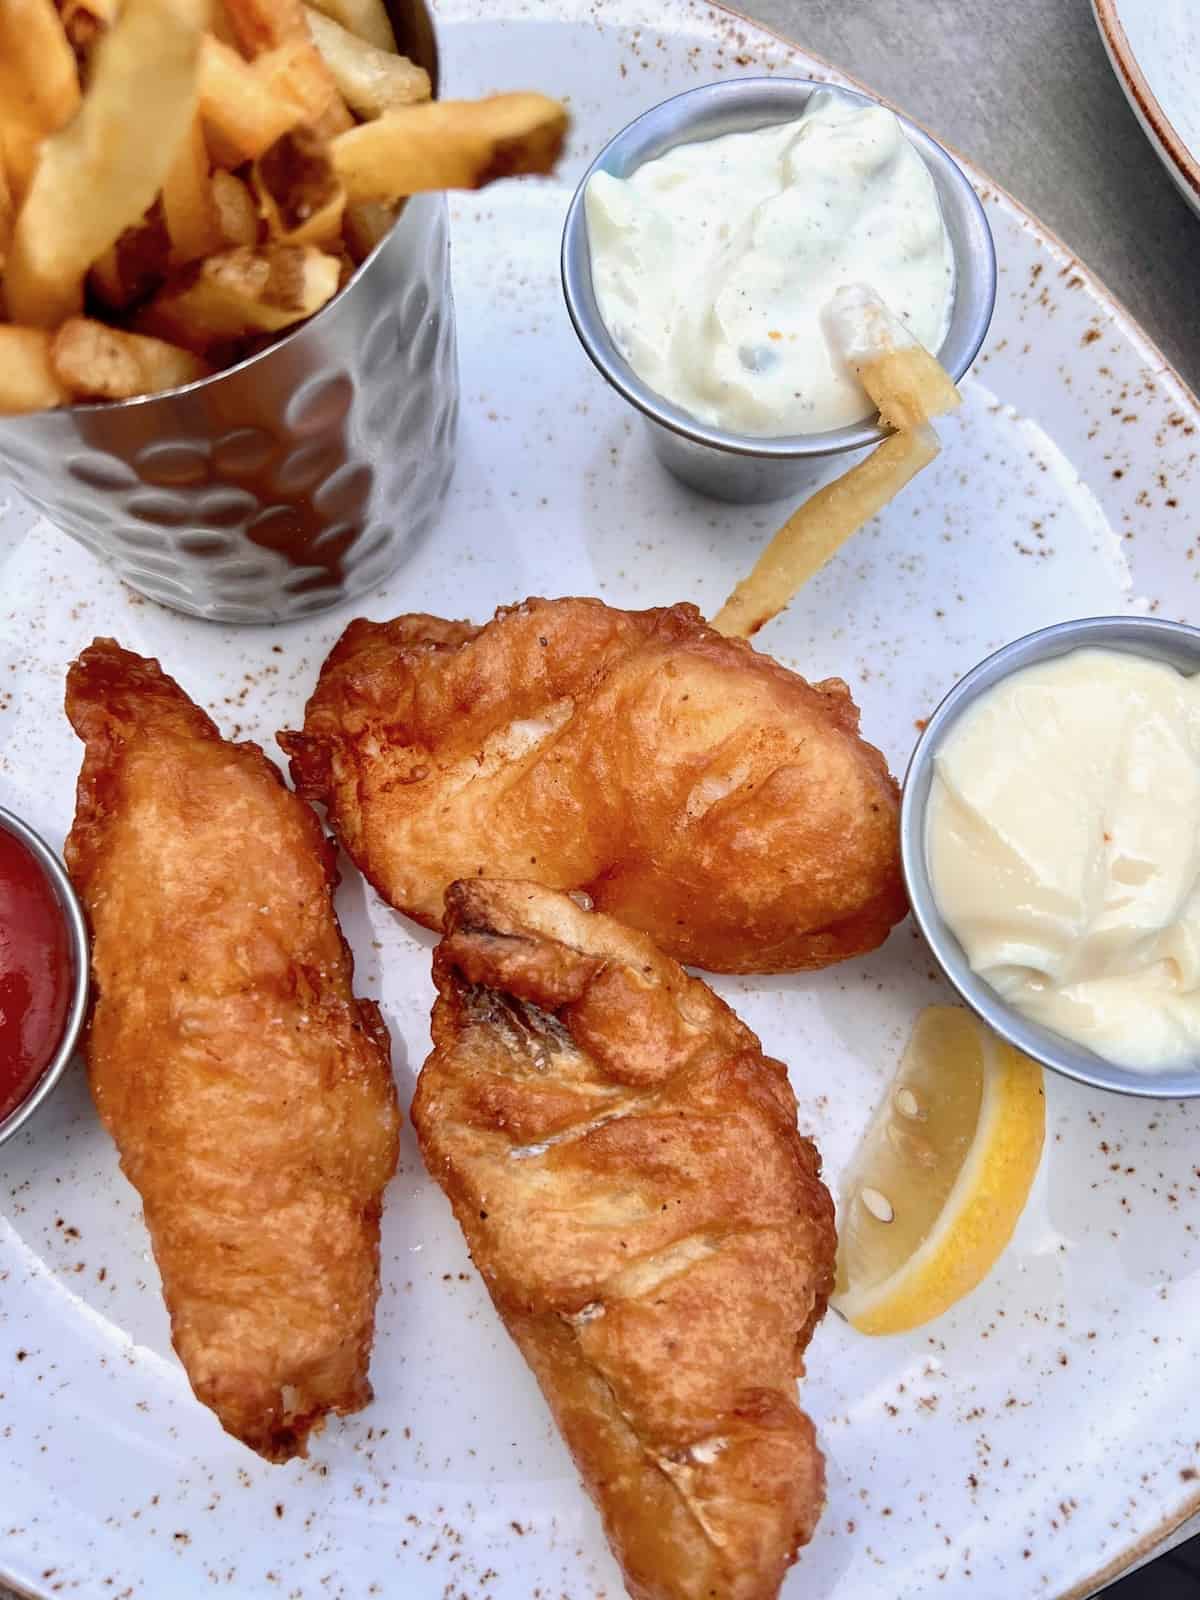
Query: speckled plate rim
[
  {"x": 1183, "y": 166},
  {"x": 1135, "y": 1555},
  {"x": 1142, "y": 1548}
]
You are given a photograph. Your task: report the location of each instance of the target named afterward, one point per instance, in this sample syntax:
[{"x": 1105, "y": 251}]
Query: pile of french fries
[{"x": 183, "y": 180}]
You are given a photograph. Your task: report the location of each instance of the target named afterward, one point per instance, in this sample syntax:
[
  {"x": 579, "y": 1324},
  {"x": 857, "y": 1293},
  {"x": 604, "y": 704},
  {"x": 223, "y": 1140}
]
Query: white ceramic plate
[
  {"x": 1154, "y": 47},
  {"x": 1046, "y": 1430}
]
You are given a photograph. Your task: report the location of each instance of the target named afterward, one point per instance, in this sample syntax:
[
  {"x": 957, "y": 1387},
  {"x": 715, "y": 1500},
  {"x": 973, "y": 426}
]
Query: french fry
[
  {"x": 346, "y": 268},
  {"x": 241, "y": 292},
  {"x": 219, "y": 25},
  {"x": 21, "y": 130},
  {"x": 237, "y": 218},
  {"x": 39, "y": 84},
  {"x": 298, "y": 192},
  {"x": 907, "y": 384},
  {"x": 27, "y": 380},
  {"x": 100, "y": 173},
  {"x": 95, "y": 362},
  {"x": 815, "y": 530},
  {"x": 99, "y": 14},
  {"x": 84, "y": 23},
  {"x": 278, "y": 28},
  {"x": 449, "y": 144},
  {"x": 34, "y": 46},
  {"x": 131, "y": 269},
  {"x": 259, "y": 25},
  {"x": 364, "y": 225},
  {"x": 367, "y": 18},
  {"x": 7, "y": 214},
  {"x": 371, "y": 81},
  {"x": 83, "y": 33},
  {"x": 243, "y": 113},
  {"x": 909, "y": 387},
  {"x": 296, "y": 72},
  {"x": 187, "y": 201}
]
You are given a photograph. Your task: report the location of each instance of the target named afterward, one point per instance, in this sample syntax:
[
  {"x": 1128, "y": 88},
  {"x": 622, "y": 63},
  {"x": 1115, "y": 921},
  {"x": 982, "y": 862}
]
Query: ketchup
[{"x": 35, "y": 972}]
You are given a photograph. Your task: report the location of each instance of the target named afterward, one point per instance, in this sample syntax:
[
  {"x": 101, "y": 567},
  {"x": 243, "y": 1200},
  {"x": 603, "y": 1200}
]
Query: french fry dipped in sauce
[{"x": 909, "y": 387}]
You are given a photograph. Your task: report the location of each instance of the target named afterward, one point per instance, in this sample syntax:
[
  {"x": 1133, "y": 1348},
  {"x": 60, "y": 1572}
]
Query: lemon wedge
[{"x": 941, "y": 1176}]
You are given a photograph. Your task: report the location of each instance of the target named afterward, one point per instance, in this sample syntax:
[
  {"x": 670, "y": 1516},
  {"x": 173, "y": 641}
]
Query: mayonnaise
[
  {"x": 713, "y": 264},
  {"x": 1063, "y": 845}
]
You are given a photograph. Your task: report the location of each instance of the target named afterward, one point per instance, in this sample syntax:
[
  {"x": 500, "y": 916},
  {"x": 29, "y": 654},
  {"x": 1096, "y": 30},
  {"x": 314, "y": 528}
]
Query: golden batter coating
[
  {"x": 692, "y": 786},
  {"x": 625, "y": 1164},
  {"x": 248, "y": 1091}
]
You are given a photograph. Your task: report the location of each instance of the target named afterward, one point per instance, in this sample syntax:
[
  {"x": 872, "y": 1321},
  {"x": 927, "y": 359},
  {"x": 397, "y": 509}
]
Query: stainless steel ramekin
[
  {"x": 1173, "y": 642},
  {"x": 294, "y": 480},
  {"x": 77, "y": 938},
  {"x": 744, "y": 467}
]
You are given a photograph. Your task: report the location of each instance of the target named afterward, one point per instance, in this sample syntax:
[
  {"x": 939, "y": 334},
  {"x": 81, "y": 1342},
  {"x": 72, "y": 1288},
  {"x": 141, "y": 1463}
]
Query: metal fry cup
[{"x": 294, "y": 480}]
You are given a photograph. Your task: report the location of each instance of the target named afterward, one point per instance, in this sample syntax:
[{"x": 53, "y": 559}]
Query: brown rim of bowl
[{"x": 1120, "y": 53}]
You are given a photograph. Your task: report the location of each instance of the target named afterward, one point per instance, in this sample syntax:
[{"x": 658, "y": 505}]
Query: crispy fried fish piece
[
  {"x": 624, "y": 1162},
  {"x": 693, "y": 787},
  {"x": 248, "y": 1091}
]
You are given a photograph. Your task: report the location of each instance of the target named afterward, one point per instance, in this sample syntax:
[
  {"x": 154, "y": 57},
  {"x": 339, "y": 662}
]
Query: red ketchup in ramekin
[{"x": 36, "y": 972}]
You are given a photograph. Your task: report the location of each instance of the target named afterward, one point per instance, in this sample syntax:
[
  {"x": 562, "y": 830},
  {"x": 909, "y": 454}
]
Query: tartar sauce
[
  {"x": 1063, "y": 845},
  {"x": 714, "y": 263}
]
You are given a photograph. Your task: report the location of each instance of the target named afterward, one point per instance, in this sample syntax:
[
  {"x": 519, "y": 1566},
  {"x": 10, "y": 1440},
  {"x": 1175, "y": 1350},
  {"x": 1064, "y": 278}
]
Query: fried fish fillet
[
  {"x": 625, "y": 1164},
  {"x": 693, "y": 787},
  {"x": 248, "y": 1091}
]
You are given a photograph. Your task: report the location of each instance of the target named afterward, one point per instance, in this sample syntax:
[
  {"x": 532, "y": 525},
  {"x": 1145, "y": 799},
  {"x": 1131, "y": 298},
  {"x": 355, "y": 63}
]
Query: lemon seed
[
  {"x": 877, "y": 1204},
  {"x": 907, "y": 1103}
]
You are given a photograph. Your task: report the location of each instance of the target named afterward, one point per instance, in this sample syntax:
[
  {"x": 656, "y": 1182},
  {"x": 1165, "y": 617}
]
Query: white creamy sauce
[
  {"x": 1063, "y": 844},
  {"x": 713, "y": 265}
]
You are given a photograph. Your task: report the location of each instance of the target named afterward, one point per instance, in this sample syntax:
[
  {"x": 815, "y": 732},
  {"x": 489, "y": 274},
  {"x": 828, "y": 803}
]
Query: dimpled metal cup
[
  {"x": 289, "y": 482},
  {"x": 710, "y": 459}
]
